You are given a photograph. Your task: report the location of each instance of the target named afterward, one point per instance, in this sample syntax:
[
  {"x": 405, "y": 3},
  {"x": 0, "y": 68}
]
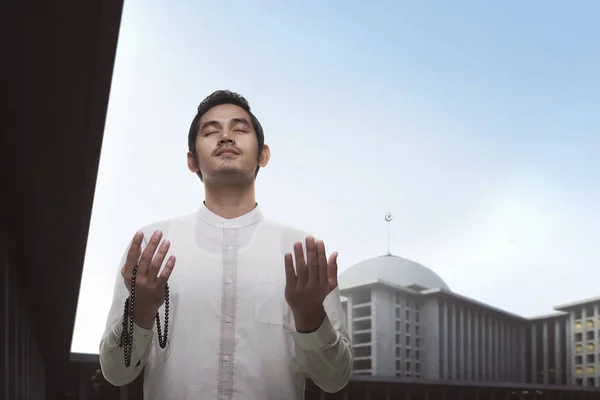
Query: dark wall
[
  {"x": 57, "y": 62},
  {"x": 24, "y": 375}
]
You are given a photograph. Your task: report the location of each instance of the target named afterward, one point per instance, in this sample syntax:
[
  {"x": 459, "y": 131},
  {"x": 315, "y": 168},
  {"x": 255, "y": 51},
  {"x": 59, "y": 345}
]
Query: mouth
[{"x": 226, "y": 153}]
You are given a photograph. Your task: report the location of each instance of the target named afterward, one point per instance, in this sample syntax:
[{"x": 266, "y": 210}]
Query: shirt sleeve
[
  {"x": 112, "y": 360},
  {"x": 327, "y": 352}
]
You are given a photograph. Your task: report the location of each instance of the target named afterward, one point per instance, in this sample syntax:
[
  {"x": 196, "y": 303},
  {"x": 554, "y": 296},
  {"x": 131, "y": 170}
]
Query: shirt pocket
[
  {"x": 269, "y": 297},
  {"x": 270, "y": 307}
]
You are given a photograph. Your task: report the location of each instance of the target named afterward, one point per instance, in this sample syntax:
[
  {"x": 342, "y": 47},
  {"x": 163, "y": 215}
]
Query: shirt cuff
[
  {"x": 139, "y": 333},
  {"x": 324, "y": 337}
]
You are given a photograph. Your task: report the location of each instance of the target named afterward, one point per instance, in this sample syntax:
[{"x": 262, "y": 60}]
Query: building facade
[{"x": 405, "y": 322}]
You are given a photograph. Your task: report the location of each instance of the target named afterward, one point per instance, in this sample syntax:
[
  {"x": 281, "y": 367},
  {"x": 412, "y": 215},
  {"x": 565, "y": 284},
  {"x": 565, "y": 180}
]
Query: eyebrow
[{"x": 237, "y": 120}]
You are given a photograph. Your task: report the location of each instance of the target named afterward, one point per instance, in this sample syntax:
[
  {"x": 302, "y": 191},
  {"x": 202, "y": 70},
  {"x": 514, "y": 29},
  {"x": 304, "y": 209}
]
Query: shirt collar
[{"x": 242, "y": 221}]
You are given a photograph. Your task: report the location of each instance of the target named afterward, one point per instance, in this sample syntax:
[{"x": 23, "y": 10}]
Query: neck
[{"x": 230, "y": 202}]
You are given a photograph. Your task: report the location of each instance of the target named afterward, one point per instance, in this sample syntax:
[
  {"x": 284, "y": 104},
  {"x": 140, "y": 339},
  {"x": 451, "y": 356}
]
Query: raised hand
[
  {"x": 309, "y": 283},
  {"x": 149, "y": 285}
]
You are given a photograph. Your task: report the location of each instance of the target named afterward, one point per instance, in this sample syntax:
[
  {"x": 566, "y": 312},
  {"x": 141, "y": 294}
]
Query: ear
[
  {"x": 192, "y": 164},
  {"x": 265, "y": 156}
]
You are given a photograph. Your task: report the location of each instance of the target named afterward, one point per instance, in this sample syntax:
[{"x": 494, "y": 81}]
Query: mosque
[
  {"x": 414, "y": 338},
  {"x": 406, "y": 322}
]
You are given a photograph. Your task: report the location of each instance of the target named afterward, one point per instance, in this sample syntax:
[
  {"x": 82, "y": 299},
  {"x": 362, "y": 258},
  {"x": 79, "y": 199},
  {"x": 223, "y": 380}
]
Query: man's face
[{"x": 226, "y": 146}]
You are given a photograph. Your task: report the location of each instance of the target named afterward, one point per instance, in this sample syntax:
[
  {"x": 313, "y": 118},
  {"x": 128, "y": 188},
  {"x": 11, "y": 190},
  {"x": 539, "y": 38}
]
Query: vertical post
[{"x": 388, "y": 218}]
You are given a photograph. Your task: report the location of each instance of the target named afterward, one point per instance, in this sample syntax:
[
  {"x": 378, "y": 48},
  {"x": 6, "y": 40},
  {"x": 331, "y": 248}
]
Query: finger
[
  {"x": 148, "y": 253},
  {"x": 301, "y": 273},
  {"x": 322, "y": 262},
  {"x": 158, "y": 259},
  {"x": 166, "y": 272},
  {"x": 133, "y": 255},
  {"x": 332, "y": 270},
  {"x": 290, "y": 273},
  {"x": 312, "y": 263}
]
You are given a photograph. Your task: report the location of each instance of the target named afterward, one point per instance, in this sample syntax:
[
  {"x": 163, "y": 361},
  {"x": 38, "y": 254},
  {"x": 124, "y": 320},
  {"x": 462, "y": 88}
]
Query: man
[{"x": 253, "y": 305}]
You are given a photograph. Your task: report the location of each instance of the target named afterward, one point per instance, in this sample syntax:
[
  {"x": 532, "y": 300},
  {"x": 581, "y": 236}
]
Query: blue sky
[{"x": 476, "y": 124}]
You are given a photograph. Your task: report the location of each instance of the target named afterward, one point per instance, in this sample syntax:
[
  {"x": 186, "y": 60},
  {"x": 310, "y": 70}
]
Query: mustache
[{"x": 228, "y": 147}]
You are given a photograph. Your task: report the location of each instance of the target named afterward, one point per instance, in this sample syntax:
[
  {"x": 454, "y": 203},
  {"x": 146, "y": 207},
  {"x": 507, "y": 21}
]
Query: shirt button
[
  {"x": 229, "y": 281},
  {"x": 230, "y": 248},
  {"x": 226, "y": 358},
  {"x": 228, "y": 320}
]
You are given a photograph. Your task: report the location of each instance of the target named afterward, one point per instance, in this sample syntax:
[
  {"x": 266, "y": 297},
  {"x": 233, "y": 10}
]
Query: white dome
[{"x": 393, "y": 269}]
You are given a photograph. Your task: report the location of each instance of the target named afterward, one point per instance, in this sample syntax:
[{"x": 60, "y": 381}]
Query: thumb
[{"x": 332, "y": 270}]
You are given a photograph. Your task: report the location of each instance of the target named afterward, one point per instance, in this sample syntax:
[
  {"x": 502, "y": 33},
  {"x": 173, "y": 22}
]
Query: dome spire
[{"x": 388, "y": 218}]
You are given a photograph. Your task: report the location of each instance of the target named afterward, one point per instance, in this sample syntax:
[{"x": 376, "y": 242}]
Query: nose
[{"x": 226, "y": 138}]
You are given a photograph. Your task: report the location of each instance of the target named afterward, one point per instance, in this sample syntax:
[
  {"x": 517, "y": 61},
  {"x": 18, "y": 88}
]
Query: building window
[
  {"x": 362, "y": 364},
  {"x": 362, "y": 324},
  {"x": 398, "y": 298},
  {"x": 408, "y": 340},
  {"x": 591, "y": 370},
  {"x": 417, "y": 342},
  {"x": 397, "y": 326},
  {"x": 579, "y": 371},
  {"x": 578, "y": 337},
  {"x": 362, "y": 351},
  {"x": 578, "y": 360},
  {"x": 417, "y": 367},
  {"x": 361, "y": 311},
  {"x": 362, "y": 338},
  {"x": 589, "y": 335},
  {"x": 407, "y": 353},
  {"x": 579, "y": 382},
  {"x": 417, "y": 355},
  {"x": 398, "y": 365},
  {"x": 578, "y": 349},
  {"x": 591, "y": 358},
  {"x": 407, "y": 366},
  {"x": 398, "y": 312},
  {"x": 578, "y": 326},
  {"x": 362, "y": 297},
  {"x": 590, "y": 324},
  {"x": 591, "y": 382},
  {"x": 398, "y": 352},
  {"x": 407, "y": 328},
  {"x": 417, "y": 330},
  {"x": 398, "y": 338},
  {"x": 417, "y": 318},
  {"x": 408, "y": 315},
  {"x": 590, "y": 347}
]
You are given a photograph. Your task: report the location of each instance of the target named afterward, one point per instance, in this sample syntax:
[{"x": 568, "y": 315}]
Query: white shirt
[{"x": 231, "y": 332}]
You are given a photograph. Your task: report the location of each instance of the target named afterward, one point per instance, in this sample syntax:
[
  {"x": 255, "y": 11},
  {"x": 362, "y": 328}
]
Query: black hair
[{"x": 218, "y": 98}]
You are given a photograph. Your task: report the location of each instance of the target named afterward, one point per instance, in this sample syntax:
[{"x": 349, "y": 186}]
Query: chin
[
  {"x": 231, "y": 176},
  {"x": 229, "y": 170}
]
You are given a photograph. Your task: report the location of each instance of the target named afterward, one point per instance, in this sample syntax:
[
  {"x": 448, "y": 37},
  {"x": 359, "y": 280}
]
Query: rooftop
[{"x": 394, "y": 270}]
